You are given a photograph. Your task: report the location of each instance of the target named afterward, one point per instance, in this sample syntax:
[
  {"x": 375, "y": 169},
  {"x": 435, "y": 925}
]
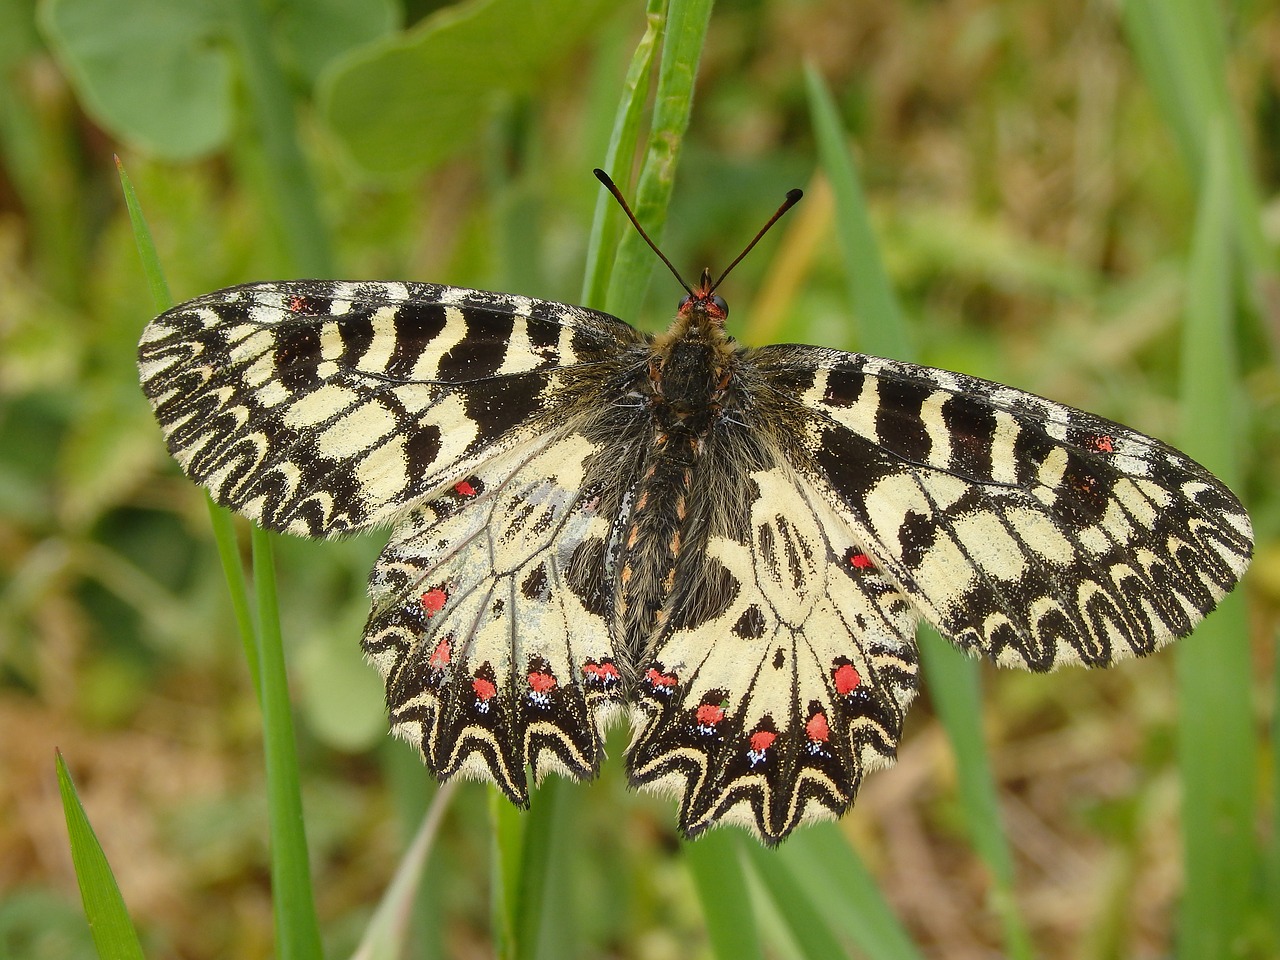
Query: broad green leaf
[
  {"x": 17, "y": 33},
  {"x": 160, "y": 75},
  {"x": 156, "y": 74},
  {"x": 414, "y": 99},
  {"x": 315, "y": 32}
]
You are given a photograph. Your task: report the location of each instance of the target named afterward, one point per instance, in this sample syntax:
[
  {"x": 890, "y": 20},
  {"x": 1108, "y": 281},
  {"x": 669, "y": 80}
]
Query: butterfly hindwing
[
  {"x": 769, "y": 713},
  {"x": 318, "y": 407},
  {"x": 492, "y": 655},
  {"x": 1022, "y": 528}
]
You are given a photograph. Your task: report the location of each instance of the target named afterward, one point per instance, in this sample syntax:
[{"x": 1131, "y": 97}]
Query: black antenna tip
[
  {"x": 603, "y": 177},
  {"x": 793, "y": 195}
]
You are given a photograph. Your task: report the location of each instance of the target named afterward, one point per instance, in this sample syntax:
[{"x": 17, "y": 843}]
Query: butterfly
[{"x": 729, "y": 547}]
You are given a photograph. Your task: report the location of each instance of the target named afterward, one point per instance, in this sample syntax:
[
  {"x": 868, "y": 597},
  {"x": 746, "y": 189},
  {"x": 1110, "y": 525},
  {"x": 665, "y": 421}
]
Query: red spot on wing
[
  {"x": 709, "y": 714},
  {"x": 762, "y": 740},
  {"x": 541, "y": 682},
  {"x": 860, "y": 561},
  {"x": 464, "y": 489},
  {"x": 817, "y": 728},
  {"x": 440, "y": 656},
  {"x": 433, "y": 600},
  {"x": 297, "y": 304},
  {"x": 658, "y": 679},
  {"x": 1104, "y": 443},
  {"x": 484, "y": 689},
  {"x": 604, "y": 673},
  {"x": 847, "y": 678}
]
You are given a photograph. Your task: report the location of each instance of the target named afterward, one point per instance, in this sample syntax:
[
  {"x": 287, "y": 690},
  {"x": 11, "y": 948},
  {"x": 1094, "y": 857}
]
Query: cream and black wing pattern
[{"x": 730, "y": 548}]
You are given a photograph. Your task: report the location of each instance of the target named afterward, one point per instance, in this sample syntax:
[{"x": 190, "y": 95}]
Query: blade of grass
[
  {"x": 1216, "y": 745},
  {"x": 623, "y": 138},
  {"x": 807, "y": 924},
  {"x": 224, "y": 533},
  {"x": 953, "y": 679},
  {"x": 833, "y": 878},
  {"x": 297, "y": 929},
  {"x": 506, "y": 854},
  {"x": 714, "y": 864},
  {"x": 712, "y": 860},
  {"x": 113, "y": 933},
  {"x": 1181, "y": 47},
  {"x": 290, "y": 193},
  {"x": 882, "y": 328},
  {"x": 161, "y": 299},
  {"x": 686, "y": 30},
  {"x": 386, "y": 937},
  {"x": 544, "y": 914}
]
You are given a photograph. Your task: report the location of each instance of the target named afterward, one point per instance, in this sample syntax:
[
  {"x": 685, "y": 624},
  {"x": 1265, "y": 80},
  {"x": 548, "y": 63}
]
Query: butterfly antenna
[
  {"x": 622, "y": 202},
  {"x": 793, "y": 197}
]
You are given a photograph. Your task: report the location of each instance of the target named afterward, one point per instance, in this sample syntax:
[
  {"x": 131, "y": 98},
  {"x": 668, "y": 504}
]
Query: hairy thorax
[{"x": 689, "y": 391}]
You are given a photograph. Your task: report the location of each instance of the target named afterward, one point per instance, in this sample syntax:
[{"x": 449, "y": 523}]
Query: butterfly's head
[{"x": 703, "y": 305}]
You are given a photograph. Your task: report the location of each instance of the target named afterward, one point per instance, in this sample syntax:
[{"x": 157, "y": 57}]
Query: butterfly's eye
[
  {"x": 685, "y": 301},
  {"x": 720, "y": 305}
]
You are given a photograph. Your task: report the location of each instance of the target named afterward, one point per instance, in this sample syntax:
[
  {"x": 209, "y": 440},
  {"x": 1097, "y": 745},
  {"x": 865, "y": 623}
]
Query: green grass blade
[
  {"x": 956, "y": 689},
  {"x": 807, "y": 924},
  {"x": 224, "y": 533},
  {"x": 686, "y": 30},
  {"x": 606, "y": 221},
  {"x": 161, "y": 299},
  {"x": 291, "y": 195},
  {"x": 953, "y": 679},
  {"x": 1181, "y": 47},
  {"x": 297, "y": 929},
  {"x": 712, "y": 859},
  {"x": 507, "y": 851},
  {"x": 224, "y": 536},
  {"x": 882, "y": 327},
  {"x": 543, "y": 913},
  {"x": 290, "y": 191},
  {"x": 832, "y": 877},
  {"x": 714, "y": 864},
  {"x": 113, "y": 932},
  {"x": 387, "y": 934},
  {"x": 1216, "y": 747}
]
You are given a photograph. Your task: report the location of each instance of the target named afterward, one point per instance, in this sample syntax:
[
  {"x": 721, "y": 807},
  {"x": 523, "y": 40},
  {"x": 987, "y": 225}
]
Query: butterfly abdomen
[{"x": 686, "y": 390}]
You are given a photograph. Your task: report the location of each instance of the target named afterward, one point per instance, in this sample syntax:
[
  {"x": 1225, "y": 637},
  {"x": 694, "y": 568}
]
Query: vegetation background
[{"x": 1053, "y": 189}]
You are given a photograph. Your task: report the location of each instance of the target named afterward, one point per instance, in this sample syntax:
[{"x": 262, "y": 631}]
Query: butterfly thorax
[{"x": 688, "y": 389}]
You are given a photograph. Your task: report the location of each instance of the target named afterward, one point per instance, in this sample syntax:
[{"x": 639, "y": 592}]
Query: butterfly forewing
[
  {"x": 732, "y": 547},
  {"x": 1033, "y": 532},
  {"x": 318, "y": 408}
]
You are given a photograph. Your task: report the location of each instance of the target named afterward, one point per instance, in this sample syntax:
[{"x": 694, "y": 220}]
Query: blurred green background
[{"x": 1033, "y": 172}]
